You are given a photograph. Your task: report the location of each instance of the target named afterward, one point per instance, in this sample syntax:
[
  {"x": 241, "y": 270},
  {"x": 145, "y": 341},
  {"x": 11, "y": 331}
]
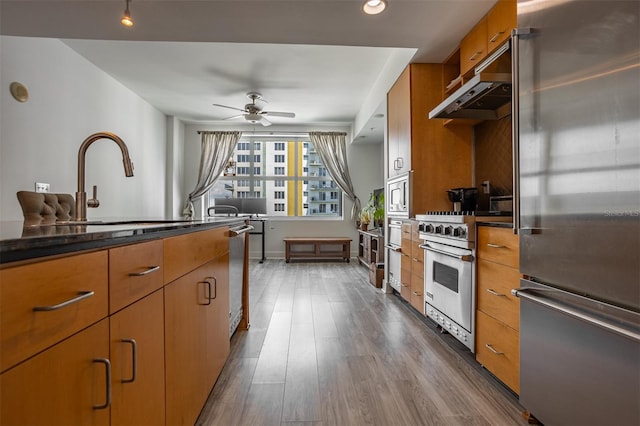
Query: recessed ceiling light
[{"x": 373, "y": 7}]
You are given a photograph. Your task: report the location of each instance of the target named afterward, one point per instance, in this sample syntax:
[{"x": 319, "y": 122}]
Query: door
[
  {"x": 64, "y": 385},
  {"x": 579, "y": 148},
  {"x": 137, "y": 357}
]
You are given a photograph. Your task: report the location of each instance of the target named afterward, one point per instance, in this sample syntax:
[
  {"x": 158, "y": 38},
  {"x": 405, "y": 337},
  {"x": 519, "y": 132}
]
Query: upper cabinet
[
  {"x": 487, "y": 35},
  {"x": 399, "y": 124},
  {"x": 500, "y": 21},
  {"x": 439, "y": 157}
]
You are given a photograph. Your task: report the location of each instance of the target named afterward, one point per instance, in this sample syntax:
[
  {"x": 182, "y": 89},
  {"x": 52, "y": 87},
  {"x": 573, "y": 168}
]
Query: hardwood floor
[{"x": 327, "y": 348}]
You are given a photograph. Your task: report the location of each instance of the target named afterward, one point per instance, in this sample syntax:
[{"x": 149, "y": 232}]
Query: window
[{"x": 288, "y": 174}]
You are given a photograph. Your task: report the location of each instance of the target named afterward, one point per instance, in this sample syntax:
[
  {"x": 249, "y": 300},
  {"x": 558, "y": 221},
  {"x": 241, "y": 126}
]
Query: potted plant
[{"x": 365, "y": 219}]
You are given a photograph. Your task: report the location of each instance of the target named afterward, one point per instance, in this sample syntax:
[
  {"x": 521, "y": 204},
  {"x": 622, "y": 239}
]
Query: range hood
[{"x": 486, "y": 96}]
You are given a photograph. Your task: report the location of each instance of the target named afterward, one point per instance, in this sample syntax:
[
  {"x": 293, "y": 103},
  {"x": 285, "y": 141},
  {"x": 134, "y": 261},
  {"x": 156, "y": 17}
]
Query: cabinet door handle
[
  {"x": 81, "y": 296},
  {"x": 475, "y": 55},
  {"x": 495, "y": 36},
  {"x": 107, "y": 368},
  {"x": 134, "y": 360},
  {"x": 215, "y": 288},
  {"x": 149, "y": 270},
  {"x": 490, "y": 347},
  {"x": 415, "y": 293},
  {"x": 495, "y": 245},
  {"x": 495, "y": 293},
  {"x": 207, "y": 296}
]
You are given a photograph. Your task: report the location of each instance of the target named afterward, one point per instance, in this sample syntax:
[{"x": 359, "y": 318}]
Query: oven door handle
[
  {"x": 463, "y": 257},
  {"x": 394, "y": 248}
]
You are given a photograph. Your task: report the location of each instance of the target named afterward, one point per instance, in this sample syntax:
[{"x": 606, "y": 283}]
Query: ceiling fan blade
[
  {"x": 279, "y": 114},
  {"x": 264, "y": 121},
  {"x": 234, "y": 116},
  {"x": 225, "y": 106}
]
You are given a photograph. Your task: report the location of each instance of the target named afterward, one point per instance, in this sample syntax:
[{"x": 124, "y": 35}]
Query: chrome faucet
[{"x": 81, "y": 195}]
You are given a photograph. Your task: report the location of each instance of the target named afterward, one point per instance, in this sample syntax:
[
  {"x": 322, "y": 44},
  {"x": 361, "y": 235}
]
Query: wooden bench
[{"x": 317, "y": 243}]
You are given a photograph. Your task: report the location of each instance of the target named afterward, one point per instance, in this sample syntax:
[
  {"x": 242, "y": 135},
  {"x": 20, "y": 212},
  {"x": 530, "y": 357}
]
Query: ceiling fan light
[
  {"x": 126, "y": 19},
  {"x": 373, "y": 7}
]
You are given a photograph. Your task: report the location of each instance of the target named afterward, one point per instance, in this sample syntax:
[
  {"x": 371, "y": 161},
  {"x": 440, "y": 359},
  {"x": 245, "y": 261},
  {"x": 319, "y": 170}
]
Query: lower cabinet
[
  {"x": 64, "y": 385},
  {"x": 197, "y": 338},
  {"x": 137, "y": 363}
]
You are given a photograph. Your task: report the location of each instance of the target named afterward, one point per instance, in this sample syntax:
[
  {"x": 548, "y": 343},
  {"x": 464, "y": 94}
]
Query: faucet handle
[{"x": 94, "y": 202}]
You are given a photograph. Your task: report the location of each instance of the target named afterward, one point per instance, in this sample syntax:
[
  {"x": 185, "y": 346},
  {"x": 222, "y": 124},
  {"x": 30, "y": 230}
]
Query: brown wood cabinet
[
  {"x": 75, "y": 326},
  {"x": 137, "y": 362},
  {"x": 440, "y": 157},
  {"x": 487, "y": 35},
  {"x": 196, "y": 323},
  {"x": 412, "y": 266},
  {"x": 62, "y": 385},
  {"x": 498, "y": 312},
  {"x": 370, "y": 247}
]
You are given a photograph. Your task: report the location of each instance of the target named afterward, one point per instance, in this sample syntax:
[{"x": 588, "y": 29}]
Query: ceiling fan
[{"x": 253, "y": 113}]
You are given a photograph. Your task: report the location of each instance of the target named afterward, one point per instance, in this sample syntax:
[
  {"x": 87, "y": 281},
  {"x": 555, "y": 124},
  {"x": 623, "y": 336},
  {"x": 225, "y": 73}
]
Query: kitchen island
[{"x": 123, "y": 321}]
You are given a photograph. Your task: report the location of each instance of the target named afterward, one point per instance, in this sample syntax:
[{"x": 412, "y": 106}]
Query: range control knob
[
  {"x": 427, "y": 228},
  {"x": 460, "y": 232},
  {"x": 448, "y": 230}
]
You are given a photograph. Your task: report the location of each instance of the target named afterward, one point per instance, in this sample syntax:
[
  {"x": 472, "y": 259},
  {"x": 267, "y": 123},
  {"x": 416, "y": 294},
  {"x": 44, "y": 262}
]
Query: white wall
[
  {"x": 175, "y": 167},
  {"x": 70, "y": 99},
  {"x": 367, "y": 173}
]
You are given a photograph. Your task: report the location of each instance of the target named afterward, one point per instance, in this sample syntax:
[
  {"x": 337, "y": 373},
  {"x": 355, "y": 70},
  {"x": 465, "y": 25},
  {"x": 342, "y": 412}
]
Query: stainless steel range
[{"x": 450, "y": 283}]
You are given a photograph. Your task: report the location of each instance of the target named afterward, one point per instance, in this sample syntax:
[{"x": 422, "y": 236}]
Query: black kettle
[{"x": 463, "y": 199}]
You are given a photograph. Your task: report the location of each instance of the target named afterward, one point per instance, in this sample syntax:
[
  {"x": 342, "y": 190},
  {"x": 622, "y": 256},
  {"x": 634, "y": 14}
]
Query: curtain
[
  {"x": 332, "y": 148},
  {"x": 217, "y": 148}
]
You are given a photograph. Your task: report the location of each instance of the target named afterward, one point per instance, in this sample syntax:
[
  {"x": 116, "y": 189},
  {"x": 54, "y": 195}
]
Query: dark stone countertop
[{"x": 22, "y": 242}]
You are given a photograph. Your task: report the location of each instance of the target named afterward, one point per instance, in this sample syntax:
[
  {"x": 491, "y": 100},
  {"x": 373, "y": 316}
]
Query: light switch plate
[{"x": 42, "y": 187}]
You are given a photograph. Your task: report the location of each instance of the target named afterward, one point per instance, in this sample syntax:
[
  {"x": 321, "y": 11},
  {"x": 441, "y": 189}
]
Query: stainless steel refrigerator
[{"x": 577, "y": 140}]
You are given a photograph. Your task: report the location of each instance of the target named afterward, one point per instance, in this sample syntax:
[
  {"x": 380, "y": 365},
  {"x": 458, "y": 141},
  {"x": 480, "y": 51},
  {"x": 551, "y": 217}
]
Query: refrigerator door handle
[{"x": 524, "y": 293}]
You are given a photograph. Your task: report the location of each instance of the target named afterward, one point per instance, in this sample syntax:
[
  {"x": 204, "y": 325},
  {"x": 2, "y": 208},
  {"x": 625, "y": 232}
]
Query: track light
[
  {"x": 373, "y": 7},
  {"x": 126, "y": 20}
]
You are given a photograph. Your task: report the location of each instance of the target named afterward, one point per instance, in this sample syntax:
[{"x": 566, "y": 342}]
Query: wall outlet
[
  {"x": 486, "y": 188},
  {"x": 42, "y": 187}
]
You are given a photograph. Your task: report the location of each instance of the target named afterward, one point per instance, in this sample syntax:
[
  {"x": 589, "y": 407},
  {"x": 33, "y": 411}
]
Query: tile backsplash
[{"x": 493, "y": 159}]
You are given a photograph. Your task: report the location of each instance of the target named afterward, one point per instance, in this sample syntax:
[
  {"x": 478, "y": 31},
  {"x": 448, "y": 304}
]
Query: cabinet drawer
[
  {"x": 405, "y": 284},
  {"x": 184, "y": 253},
  {"x": 495, "y": 282},
  {"x": 42, "y": 303},
  {"x": 134, "y": 272},
  {"x": 407, "y": 247},
  {"x": 497, "y": 348},
  {"x": 417, "y": 261},
  {"x": 415, "y": 234},
  {"x": 498, "y": 245},
  {"x": 417, "y": 293}
]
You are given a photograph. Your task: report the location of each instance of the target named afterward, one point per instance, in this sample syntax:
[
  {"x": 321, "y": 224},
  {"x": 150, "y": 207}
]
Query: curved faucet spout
[{"x": 81, "y": 195}]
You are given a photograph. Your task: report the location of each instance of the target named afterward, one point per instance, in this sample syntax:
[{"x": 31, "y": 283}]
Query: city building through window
[{"x": 299, "y": 185}]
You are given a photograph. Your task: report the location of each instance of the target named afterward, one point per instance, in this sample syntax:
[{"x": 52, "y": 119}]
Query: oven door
[{"x": 449, "y": 288}]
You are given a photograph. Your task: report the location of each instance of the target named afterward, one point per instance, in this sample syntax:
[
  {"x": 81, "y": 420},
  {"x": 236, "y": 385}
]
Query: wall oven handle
[
  {"x": 393, "y": 248},
  {"x": 463, "y": 257},
  {"x": 523, "y": 293}
]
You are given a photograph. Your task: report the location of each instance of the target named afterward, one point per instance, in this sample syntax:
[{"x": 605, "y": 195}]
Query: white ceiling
[{"x": 322, "y": 59}]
